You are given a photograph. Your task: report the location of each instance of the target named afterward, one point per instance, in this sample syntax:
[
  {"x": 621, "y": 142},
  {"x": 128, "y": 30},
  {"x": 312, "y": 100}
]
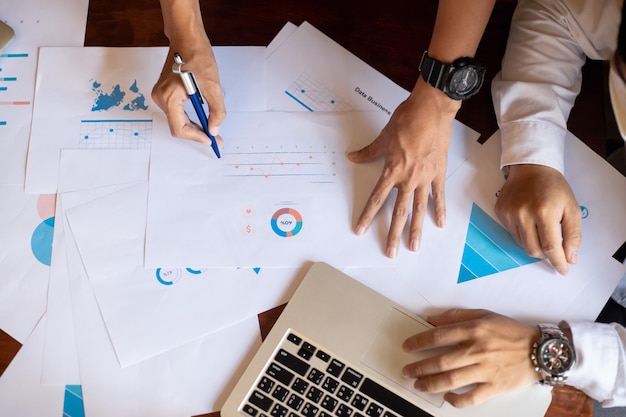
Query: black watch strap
[{"x": 433, "y": 71}]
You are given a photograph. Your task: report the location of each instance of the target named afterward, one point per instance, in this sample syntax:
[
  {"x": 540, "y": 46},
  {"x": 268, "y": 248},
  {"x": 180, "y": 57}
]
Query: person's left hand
[
  {"x": 490, "y": 351},
  {"x": 539, "y": 209}
]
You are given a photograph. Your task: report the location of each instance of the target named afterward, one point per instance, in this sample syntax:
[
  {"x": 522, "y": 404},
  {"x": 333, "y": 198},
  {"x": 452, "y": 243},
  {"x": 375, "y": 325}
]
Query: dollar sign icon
[{"x": 249, "y": 229}]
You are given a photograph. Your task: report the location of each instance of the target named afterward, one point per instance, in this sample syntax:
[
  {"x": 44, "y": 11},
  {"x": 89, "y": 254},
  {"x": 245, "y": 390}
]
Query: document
[
  {"x": 36, "y": 23},
  {"x": 482, "y": 267},
  {"x": 106, "y": 100},
  {"x": 298, "y": 80}
]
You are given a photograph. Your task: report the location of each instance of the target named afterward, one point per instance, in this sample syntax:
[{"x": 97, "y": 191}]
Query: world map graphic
[{"x": 117, "y": 97}]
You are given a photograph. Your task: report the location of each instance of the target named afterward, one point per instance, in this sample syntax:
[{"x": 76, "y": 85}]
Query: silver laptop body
[{"x": 336, "y": 351}]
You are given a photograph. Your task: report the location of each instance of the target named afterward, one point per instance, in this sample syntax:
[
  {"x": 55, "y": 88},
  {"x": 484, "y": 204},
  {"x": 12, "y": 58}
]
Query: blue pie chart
[{"x": 41, "y": 241}]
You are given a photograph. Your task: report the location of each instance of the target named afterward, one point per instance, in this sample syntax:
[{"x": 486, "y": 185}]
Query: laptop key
[
  {"x": 261, "y": 400},
  {"x": 279, "y": 373},
  {"x": 279, "y": 411},
  {"x": 352, "y": 377},
  {"x": 316, "y": 376},
  {"x": 359, "y": 402},
  {"x": 280, "y": 393},
  {"x": 391, "y": 400},
  {"x": 251, "y": 411},
  {"x": 265, "y": 384},
  {"x": 309, "y": 410},
  {"x": 300, "y": 385},
  {"x": 335, "y": 368},
  {"x": 315, "y": 394},
  {"x": 292, "y": 362}
]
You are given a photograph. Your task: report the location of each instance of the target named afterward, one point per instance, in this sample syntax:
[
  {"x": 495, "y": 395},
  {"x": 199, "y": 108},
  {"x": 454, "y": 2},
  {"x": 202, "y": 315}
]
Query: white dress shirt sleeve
[
  {"x": 600, "y": 370},
  {"x": 541, "y": 73}
]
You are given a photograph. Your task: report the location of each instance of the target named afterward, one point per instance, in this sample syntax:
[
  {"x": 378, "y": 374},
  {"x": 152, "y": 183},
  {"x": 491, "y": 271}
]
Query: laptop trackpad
[{"x": 386, "y": 357}]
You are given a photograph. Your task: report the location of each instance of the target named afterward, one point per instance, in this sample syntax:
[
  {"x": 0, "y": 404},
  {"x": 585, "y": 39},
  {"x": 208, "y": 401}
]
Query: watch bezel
[{"x": 551, "y": 334}]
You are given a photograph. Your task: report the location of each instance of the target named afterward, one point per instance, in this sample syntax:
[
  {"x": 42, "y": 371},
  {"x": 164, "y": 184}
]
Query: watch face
[
  {"x": 556, "y": 356},
  {"x": 465, "y": 82}
]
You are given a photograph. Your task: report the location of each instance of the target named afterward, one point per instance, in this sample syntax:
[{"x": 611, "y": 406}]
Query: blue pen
[{"x": 193, "y": 91}]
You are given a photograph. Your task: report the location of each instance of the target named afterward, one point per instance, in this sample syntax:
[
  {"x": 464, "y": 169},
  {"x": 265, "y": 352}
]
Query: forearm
[
  {"x": 182, "y": 19},
  {"x": 458, "y": 28}
]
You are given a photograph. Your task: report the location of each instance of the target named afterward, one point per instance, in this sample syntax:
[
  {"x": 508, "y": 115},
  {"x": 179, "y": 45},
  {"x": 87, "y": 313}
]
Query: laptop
[{"x": 336, "y": 351}]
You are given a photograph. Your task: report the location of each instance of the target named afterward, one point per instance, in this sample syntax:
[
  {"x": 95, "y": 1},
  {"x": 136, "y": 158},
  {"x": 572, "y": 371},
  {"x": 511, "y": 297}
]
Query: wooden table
[{"x": 389, "y": 35}]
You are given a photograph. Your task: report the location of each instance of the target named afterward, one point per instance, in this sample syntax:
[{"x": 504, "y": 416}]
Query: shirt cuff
[
  {"x": 597, "y": 359},
  {"x": 532, "y": 142}
]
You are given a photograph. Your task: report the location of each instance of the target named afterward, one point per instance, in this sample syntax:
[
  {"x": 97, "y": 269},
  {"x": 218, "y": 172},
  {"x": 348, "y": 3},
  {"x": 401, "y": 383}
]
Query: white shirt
[{"x": 533, "y": 95}]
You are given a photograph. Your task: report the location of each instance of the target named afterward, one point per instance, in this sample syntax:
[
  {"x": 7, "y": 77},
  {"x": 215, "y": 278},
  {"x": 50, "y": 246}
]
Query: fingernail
[
  {"x": 415, "y": 245},
  {"x": 441, "y": 221},
  {"x": 406, "y": 373},
  {"x": 573, "y": 257},
  {"x": 360, "y": 230},
  {"x": 392, "y": 252}
]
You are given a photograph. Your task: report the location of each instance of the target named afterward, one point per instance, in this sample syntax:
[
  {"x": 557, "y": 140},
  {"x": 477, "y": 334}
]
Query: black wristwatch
[
  {"x": 460, "y": 80},
  {"x": 553, "y": 355}
]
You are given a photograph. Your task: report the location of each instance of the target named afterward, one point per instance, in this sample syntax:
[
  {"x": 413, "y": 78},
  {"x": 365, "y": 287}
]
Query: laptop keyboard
[{"x": 303, "y": 380}]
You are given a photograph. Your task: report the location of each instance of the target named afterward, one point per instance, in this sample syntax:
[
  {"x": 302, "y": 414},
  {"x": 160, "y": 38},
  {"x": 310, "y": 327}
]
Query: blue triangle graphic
[
  {"x": 489, "y": 248},
  {"x": 257, "y": 270},
  {"x": 73, "y": 401}
]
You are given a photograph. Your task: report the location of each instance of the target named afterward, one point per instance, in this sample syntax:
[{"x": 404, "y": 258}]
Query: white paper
[
  {"x": 311, "y": 72},
  {"x": 190, "y": 380},
  {"x": 150, "y": 311},
  {"x": 36, "y": 23},
  {"x": 93, "y": 173},
  {"x": 27, "y": 224},
  {"x": 21, "y": 391},
  {"x": 530, "y": 290},
  {"x": 106, "y": 100}
]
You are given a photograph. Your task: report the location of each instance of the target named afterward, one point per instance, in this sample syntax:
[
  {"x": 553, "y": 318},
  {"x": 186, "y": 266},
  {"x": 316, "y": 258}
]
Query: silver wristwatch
[{"x": 553, "y": 355}]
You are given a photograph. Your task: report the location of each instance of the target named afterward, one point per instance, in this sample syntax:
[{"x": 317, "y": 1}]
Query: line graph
[
  {"x": 314, "y": 96},
  {"x": 312, "y": 163},
  {"x": 115, "y": 134}
]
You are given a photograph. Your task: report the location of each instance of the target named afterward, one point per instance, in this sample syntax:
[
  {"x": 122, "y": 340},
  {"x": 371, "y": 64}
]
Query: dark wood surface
[{"x": 390, "y": 36}]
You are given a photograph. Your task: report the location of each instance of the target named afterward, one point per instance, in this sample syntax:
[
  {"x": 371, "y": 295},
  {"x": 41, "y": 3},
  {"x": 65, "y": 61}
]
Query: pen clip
[{"x": 188, "y": 78}]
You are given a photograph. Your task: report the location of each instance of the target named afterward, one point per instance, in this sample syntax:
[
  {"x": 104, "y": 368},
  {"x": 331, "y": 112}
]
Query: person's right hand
[
  {"x": 539, "y": 209},
  {"x": 415, "y": 142},
  {"x": 170, "y": 95}
]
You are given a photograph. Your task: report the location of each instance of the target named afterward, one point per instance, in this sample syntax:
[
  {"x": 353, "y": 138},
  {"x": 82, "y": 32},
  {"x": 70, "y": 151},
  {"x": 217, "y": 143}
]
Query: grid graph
[
  {"x": 314, "y": 96},
  {"x": 115, "y": 134}
]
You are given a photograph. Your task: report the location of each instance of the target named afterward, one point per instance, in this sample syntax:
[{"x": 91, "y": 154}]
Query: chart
[
  {"x": 10, "y": 84},
  {"x": 115, "y": 134},
  {"x": 314, "y": 96},
  {"x": 311, "y": 163},
  {"x": 489, "y": 248}
]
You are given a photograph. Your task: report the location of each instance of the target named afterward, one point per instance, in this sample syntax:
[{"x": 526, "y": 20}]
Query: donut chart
[{"x": 286, "y": 222}]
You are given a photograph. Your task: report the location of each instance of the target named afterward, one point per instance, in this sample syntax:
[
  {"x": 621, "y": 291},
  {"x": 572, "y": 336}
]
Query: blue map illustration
[{"x": 115, "y": 98}]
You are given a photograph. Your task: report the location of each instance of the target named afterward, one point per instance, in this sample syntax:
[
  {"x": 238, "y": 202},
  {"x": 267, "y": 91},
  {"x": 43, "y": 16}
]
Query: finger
[
  {"x": 457, "y": 315},
  {"x": 529, "y": 239},
  {"x": 439, "y": 199},
  {"x": 474, "y": 396},
  {"x": 550, "y": 239},
  {"x": 398, "y": 221},
  {"x": 374, "y": 203},
  {"x": 420, "y": 205},
  {"x": 572, "y": 234},
  {"x": 447, "y": 381},
  {"x": 451, "y": 361},
  {"x": 444, "y": 335},
  {"x": 368, "y": 153},
  {"x": 217, "y": 110}
]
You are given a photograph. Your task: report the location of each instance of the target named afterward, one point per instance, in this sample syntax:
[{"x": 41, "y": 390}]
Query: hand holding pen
[
  {"x": 195, "y": 95},
  {"x": 170, "y": 94}
]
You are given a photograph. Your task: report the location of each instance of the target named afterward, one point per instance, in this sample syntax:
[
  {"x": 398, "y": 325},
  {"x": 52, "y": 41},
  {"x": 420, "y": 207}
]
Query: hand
[
  {"x": 416, "y": 141},
  {"x": 490, "y": 351},
  {"x": 170, "y": 95},
  {"x": 538, "y": 207}
]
